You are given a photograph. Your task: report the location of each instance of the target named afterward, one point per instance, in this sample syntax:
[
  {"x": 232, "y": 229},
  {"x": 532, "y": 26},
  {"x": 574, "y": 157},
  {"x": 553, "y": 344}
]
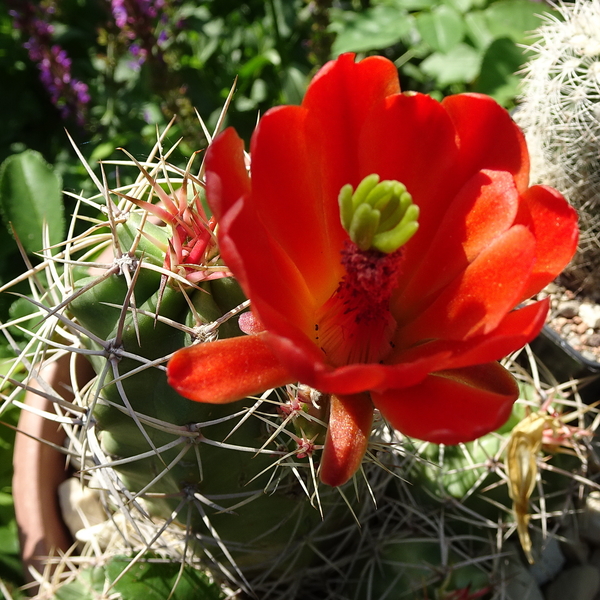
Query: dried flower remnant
[
  {"x": 351, "y": 304},
  {"x": 546, "y": 427}
]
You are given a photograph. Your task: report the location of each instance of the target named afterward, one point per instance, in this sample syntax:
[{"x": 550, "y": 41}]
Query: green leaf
[
  {"x": 256, "y": 64},
  {"x": 477, "y": 29},
  {"x": 497, "y": 79},
  {"x": 20, "y": 309},
  {"x": 89, "y": 584},
  {"x": 105, "y": 149},
  {"x": 10, "y": 563},
  {"x": 30, "y": 195},
  {"x": 415, "y": 4},
  {"x": 460, "y": 65},
  {"x": 442, "y": 28},
  {"x": 9, "y": 540},
  {"x": 515, "y": 19},
  {"x": 294, "y": 82},
  {"x": 11, "y": 569},
  {"x": 375, "y": 28},
  {"x": 463, "y": 6},
  {"x": 259, "y": 90}
]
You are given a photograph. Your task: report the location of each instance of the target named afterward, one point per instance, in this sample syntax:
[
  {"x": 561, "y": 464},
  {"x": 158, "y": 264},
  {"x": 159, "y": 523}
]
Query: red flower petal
[
  {"x": 227, "y": 370},
  {"x": 409, "y": 367},
  {"x": 248, "y": 248},
  {"x": 477, "y": 301},
  {"x": 305, "y": 360},
  {"x": 350, "y": 420},
  {"x": 483, "y": 210},
  {"x": 489, "y": 138},
  {"x": 372, "y": 376},
  {"x": 265, "y": 272},
  {"x": 227, "y": 179},
  {"x": 452, "y": 406},
  {"x": 338, "y": 100},
  {"x": 554, "y": 225},
  {"x": 352, "y": 86},
  {"x": 411, "y": 139},
  {"x": 517, "y": 328},
  {"x": 288, "y": 192}
]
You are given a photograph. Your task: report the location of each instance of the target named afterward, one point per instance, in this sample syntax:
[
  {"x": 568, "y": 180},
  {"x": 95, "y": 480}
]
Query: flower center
[
  {"x": 355, "y": 325},
  {"x": 378, "y": 215}
]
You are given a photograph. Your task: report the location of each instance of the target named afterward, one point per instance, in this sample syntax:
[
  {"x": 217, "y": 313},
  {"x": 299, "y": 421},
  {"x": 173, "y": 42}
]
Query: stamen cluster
[
  {"x": 355, "y": 323},
  {"x": 370, "y": 272}
]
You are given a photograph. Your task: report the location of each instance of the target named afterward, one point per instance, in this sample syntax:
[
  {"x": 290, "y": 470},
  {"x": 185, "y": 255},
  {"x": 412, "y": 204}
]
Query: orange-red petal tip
[
  {"x": 450, "y": 407},
  {"x": 350, "y": 420},
  {"x": 227, "y": 370}
]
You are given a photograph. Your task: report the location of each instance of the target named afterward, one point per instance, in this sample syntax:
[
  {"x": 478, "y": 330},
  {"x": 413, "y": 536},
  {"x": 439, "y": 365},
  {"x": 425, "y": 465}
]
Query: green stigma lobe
[{"x": 378, "y": 215}]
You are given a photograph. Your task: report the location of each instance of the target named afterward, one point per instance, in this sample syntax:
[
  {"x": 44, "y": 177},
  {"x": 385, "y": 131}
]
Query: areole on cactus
[{"x": 415, "y": 330}]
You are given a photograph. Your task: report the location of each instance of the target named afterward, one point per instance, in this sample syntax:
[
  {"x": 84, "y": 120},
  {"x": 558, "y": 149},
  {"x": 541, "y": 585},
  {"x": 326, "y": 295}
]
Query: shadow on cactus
[{"x": 383, "y": 261}]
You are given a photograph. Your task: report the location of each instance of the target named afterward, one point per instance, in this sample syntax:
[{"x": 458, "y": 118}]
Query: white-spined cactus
[{"x": 560, "y": 114}]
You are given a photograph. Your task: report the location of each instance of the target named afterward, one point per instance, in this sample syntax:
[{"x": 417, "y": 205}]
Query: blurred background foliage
[{"x": 113, "y": 71}]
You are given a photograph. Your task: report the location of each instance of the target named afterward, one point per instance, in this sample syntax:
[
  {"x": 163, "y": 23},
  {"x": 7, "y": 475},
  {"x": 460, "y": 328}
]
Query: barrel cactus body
[{"x": 229, "y": 474}]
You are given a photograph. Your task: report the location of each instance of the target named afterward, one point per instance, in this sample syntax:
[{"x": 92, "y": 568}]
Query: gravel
[{"x": 576, "y": 319}]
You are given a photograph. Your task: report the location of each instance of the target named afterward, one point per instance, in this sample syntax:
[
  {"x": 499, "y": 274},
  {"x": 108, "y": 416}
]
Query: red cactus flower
[{"x": 354, "y": 306}]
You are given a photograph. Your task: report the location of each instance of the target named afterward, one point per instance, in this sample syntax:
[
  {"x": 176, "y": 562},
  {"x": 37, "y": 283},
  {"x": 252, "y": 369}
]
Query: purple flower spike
[
  {"x": 137, "y": 20},
  {"x": 68, "y": 94}
]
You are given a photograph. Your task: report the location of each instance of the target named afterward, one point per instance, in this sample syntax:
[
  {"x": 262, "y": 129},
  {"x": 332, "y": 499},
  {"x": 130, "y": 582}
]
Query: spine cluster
[{"x": 560, "y": 114}]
